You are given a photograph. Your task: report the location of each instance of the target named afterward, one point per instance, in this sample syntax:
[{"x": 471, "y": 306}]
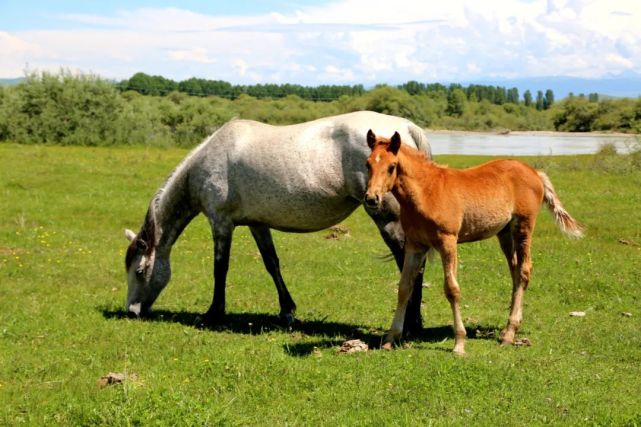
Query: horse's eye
[
  {"x": 140, "y": 272},
  {"x": 368, "y": 166},
  {"x": 390, "y": 169}
]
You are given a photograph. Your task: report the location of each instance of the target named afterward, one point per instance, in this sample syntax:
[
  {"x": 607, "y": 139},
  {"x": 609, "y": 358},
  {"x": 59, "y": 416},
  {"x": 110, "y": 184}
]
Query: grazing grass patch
[{"x": 62, "y": 292}]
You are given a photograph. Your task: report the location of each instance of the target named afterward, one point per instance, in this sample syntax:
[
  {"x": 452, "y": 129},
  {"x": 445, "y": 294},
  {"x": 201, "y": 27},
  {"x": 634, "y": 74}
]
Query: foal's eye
[
  {"x": 368, "y": 166},
  {"x": 390, "y": 169}
]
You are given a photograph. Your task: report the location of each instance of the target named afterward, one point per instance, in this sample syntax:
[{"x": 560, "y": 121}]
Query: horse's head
[
  {"x": 147, "y": 272},
  {"x": 381, "y": 166}
]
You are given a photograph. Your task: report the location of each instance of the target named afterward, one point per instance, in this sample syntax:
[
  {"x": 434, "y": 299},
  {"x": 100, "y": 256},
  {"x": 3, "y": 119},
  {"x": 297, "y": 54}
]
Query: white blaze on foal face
[{"x": 381, "y": 166}]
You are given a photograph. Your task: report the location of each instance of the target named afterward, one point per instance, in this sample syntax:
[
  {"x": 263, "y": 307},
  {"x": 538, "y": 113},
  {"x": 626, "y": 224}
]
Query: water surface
[{"x": 523, "y": 143}]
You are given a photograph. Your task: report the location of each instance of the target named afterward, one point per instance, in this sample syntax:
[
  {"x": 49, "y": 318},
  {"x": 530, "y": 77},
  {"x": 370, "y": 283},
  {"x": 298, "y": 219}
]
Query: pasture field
[{"x": 63, "y": 287}]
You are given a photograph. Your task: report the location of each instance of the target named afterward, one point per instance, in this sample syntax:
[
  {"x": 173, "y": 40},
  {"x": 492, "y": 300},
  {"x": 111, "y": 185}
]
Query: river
[{"x": 524, "y": 143}]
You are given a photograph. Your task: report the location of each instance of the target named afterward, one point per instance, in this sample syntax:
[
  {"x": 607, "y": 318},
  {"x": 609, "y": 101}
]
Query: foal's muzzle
[{"x": 372, "y": 200}]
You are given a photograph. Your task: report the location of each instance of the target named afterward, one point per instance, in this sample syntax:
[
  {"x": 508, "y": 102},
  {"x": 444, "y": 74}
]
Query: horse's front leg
[
  {"x": 388, "y": 224},
  {"x": 263, "y": 238},
  {"x": 413, "y": 262},
  {"x": 222, "y": 232}
]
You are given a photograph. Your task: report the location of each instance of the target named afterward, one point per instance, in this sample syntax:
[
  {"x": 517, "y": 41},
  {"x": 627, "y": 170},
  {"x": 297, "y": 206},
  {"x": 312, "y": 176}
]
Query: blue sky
[{"x": 324, "y": 42}]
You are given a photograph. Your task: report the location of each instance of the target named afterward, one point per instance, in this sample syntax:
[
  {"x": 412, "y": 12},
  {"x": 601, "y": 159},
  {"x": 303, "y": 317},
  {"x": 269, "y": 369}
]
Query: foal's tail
[{"x": 563, "y": 219}]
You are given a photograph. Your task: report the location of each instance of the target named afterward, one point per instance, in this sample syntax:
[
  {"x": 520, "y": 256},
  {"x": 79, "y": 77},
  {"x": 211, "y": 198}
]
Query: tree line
[
  {"x": 65, "y": 108},
  {"x": 158, "y": 85}
]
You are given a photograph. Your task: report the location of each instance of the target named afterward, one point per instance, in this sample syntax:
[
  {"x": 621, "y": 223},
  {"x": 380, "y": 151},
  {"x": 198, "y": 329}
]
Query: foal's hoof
[
  {"x": 287, "y": 319},
  {"x": 459, "y": 352},
  {"x": 388, "y": 346}
]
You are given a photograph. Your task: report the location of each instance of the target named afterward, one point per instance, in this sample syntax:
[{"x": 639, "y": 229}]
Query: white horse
[{"x": 297, "y": 178}]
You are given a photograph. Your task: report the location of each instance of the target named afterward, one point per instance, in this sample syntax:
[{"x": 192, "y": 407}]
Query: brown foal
[{"x": 441, "y": 207}]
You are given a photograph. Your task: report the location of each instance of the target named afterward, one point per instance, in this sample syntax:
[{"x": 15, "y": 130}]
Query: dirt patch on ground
[
  {"x": 4, "y": 251},
  {"x": 337, "y": 232}
]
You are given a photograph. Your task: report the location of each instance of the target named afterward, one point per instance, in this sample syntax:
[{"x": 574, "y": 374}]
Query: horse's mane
[{"x": 149, "y": 232}]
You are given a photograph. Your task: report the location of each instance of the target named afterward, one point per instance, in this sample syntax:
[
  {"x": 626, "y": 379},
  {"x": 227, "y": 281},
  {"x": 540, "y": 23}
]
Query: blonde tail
[{"x": 563, "y": 219}]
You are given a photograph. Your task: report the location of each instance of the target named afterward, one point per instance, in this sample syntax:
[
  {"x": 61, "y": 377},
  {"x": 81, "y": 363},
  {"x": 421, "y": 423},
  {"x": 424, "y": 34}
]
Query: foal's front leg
[
  {"x": 413, "y": 262},
  {"x": 448, "y": 251}
]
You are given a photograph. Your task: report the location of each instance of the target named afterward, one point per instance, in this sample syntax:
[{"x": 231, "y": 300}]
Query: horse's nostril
[{"x": 371, "y": 200}]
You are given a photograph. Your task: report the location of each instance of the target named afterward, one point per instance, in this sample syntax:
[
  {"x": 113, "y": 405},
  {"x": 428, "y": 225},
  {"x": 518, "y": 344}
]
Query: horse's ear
[
  {"x": 371, "y": 139},
  {"x": 130, "y": 235},
  {"x": 395, "y": 143}
]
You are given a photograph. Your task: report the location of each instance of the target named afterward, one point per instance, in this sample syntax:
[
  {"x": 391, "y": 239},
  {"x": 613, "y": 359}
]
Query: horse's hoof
[
  {"x": 412, "y": 329},
  {"x": 388, "y": 346},
  {"x": 288, "y": 319},
  {"x": 210, "y": 319}
]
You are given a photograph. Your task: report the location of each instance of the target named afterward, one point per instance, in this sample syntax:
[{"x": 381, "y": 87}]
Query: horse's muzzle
[{"x": 135, "y": 311}]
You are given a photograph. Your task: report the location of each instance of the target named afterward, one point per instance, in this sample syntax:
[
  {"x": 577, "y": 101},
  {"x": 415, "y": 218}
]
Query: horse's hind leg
[
  {"x": 222, "y": 232},
  {"x": 387, "y": 221},
  {"x": 263, "y": 238},
  {"x": 519, "y": 259}
]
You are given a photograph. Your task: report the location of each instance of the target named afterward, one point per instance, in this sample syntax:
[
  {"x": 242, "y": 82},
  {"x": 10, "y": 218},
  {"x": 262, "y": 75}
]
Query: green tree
[
  {"x": 540, "y": 103},
  {"x": 513, "y": 95},
  {"x": 576, "y": 115},
  {"x": 527, "y": 98},
  {"x": 456, "y": 101},
  {"x": 549, "y": 99}
]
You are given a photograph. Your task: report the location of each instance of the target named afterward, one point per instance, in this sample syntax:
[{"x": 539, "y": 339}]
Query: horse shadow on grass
[{"x": 329, "y": 333}]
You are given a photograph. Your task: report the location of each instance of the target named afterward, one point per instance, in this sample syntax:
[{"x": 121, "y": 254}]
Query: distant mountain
[
  {"x": 623, "y": 85},
  {"x": 11, "y": 82}
]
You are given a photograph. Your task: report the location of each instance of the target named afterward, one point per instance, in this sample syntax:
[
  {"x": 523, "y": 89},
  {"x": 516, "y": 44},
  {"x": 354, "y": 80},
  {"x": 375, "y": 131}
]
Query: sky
[{"x": 314, "y": 42}]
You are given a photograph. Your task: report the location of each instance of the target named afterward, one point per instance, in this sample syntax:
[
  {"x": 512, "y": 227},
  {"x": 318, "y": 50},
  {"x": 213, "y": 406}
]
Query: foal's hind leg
[
  {"x": 263, "y": 238},
  {"x": 387, "y": 221},
  {"x": 516, "y": 247}
]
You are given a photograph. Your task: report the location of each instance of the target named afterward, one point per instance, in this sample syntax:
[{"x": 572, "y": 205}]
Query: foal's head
[{"x": 381, "y": 165}]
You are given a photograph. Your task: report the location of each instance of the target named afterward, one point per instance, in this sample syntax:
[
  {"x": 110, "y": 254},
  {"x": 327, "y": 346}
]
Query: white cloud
[
  {"x": 333, "y": 73},
  {"x": 351, "y": 41},
  {"x": 15, "y": 54},
  {"x": 197, "y": 54}
]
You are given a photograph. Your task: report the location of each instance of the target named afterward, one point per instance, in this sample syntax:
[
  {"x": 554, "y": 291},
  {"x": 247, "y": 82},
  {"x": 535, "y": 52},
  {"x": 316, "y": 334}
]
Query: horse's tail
[
  {"x": 420, "y": 139},
  {"x": 563, "y": 219}
]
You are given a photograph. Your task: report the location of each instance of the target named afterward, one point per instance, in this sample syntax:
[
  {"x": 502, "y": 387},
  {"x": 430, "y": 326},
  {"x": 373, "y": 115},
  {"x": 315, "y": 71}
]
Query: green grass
[{"x": 62, "y": 290}]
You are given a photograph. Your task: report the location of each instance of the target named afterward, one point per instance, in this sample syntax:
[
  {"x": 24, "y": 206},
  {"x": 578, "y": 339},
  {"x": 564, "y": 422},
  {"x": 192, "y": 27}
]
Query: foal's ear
[
  {"x": 395, "y": 143},
  {"x": 371, "y": 139}
]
